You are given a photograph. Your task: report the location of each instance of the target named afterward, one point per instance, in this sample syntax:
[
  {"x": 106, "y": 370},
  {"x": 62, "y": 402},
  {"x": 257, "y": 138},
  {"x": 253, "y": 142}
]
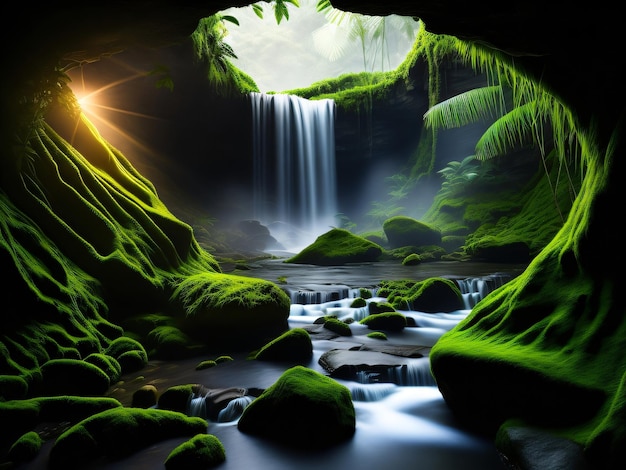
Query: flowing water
[
  {"x": 294, "y": 166},
  {"x": 401, "y": 423}
]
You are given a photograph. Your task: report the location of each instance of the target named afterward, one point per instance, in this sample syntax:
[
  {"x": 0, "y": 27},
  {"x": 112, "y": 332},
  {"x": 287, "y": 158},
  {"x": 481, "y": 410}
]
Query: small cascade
[
  {"x": 317, "y": 294},
  {"x": 234, "y": 409},
  {"x": 197, "y": 407},
  {"x": 416, "y": 373},
  {"x": 474, "y": 289},
  {"x": 294, "y": 186},
  {"x": 373, "y": 392}
]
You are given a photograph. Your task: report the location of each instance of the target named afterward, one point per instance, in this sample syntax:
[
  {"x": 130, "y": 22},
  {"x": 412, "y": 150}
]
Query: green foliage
[{"x": 201, "y": 451}]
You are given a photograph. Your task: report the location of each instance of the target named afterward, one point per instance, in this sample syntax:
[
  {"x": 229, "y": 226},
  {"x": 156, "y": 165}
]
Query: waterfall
[
  {"x": 294, "y": 185},
  {"x": 474, "y": 289}
]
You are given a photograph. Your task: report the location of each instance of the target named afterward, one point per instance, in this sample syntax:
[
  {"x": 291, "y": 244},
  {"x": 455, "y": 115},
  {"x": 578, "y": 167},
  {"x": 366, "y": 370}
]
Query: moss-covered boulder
[
  {"x": 108, "y": 364},
  {"x": 170, "y": 343},
  {"x": 25, "y": 448},
  {"x": 435, "y": 294},
  {"x": 21, "y": 416},
  {"x": 231, "y": 311},
  {"x": 303, "y": 408},
  {"x": 118, "y": 433},
  {"x": 200, "y": 452},
  {"x": 129, "y": 353},
  {"x": 73, "y": 377},
  {"x": 145, "y": 396},
  {"x": 388, "y": 321},
  {"x": 337, "y": 247},
  {"x": 293, "y": 345},
  {"x": 337, "y": 326},
  {"x": 12, "y": 387},
  {"x": 406, "y": 231}
]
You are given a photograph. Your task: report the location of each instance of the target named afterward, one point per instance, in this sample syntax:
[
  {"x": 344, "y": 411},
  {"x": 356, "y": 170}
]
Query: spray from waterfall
[{"x": 294, "y": 186}]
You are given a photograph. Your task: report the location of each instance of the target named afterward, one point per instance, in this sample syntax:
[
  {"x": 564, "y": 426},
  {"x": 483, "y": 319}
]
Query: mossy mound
[
  {"x": 292, "y": 346},
  {"x": 231, "y": 311},
  {"x": 25, "y": 448},
  {"x": 303, "y": 408},
  {"x": 170, "y": 343},
  {"x": 200, "y": 452},
  {"x": 337, "y": 326},
  {"x": 108, "y": 364},
  {"x": 129, "y": 353},
  {"x": 388, "y": 321},
  {"x": 337, "y": 247},
  {"x": 12, "y": 387},
  {"x": 412, "y": 260},
  {"x": 21, "y": 416},
  {"x": 73, "y": 377},
  {"x": 406, "y": 231},
  {"x": 435, "y": 294},
  {"x": 117, "y": 433}
]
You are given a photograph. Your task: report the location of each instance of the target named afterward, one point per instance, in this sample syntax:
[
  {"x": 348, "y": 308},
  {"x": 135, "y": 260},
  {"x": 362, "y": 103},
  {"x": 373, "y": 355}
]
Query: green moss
[
  {"x": 337, "y": 247},
  {"x": 201, "y": 451},
  {"x": 377, "y": 335},
  {"x": 435, "y": 294},
  {"x": 407, "y": 231},
  {"x": 337, "y": 326},
  {"x": 12, "y": 387},
  {"x": 206, "y": 364},
  {"x": 73, "y": 377},
  {"x": 231, "y": 311},
  {"x": 303, "y": 408},
  {"x": 168, "y": 342},
  {"x": 129, "y": 353},
  {"x": 293, "y": 345},
  {"x": 25, "y": 448},
  {"x": 118, "y": 433},
  {"x": 176, "y": 398},
  {"x": 358, "y": 303},
  {"x": 388, "y": 321},
  {"x": 108, "y": 364},
  {"x": 412, "y": 260}
]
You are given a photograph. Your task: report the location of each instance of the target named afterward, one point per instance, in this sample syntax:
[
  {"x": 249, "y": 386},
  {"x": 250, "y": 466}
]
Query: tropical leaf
[{"x": 466, "y": 108}]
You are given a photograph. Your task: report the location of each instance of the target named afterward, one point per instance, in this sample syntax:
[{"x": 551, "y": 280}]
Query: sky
[{"x": 286, "y": 56}]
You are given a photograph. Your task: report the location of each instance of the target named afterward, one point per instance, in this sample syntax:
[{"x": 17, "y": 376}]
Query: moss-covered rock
[
  {"x": 118, "y": 433},
  {"x": 388, "y": 321},
  {"x": 406, "y": 231},
  {"x": 337, "y": 326},
  {"x": 145, "y": 396},
  {"x": 177, "y": 398},
  {"x": 73, "y": 377},
  {"x": 170, "y": 343},
  {"x": 21, "y": 416},
  {"x": 412, "y": 260},
  {"x": 200, "y": 452},
  {"x": 293, "y": 345},
  {"x": 12, "y": 387},
  {"x": 231, "y": 311},
  {"x": 25, "y": 448},
  {"x": 107, "y": 363},
  {"x": 303, "y": 408},
  {"x": 337, "y": 247},
  {"x": 129, "y": 353},
  {"x": 359, "y": 302},
  {"x": 435, "y": 294}
]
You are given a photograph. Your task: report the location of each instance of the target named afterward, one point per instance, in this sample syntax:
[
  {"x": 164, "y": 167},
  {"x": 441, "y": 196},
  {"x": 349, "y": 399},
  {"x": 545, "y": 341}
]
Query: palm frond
[{"x": 466, "y": 108}]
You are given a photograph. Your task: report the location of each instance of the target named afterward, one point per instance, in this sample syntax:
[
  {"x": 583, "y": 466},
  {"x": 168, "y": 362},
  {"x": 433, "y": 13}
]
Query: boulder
[
  {"x": 303, "y": 408},
  {"x": 406, "y": 231}
]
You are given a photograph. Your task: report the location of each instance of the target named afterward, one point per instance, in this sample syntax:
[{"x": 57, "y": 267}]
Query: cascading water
[{"x": 294, "y": 186}]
